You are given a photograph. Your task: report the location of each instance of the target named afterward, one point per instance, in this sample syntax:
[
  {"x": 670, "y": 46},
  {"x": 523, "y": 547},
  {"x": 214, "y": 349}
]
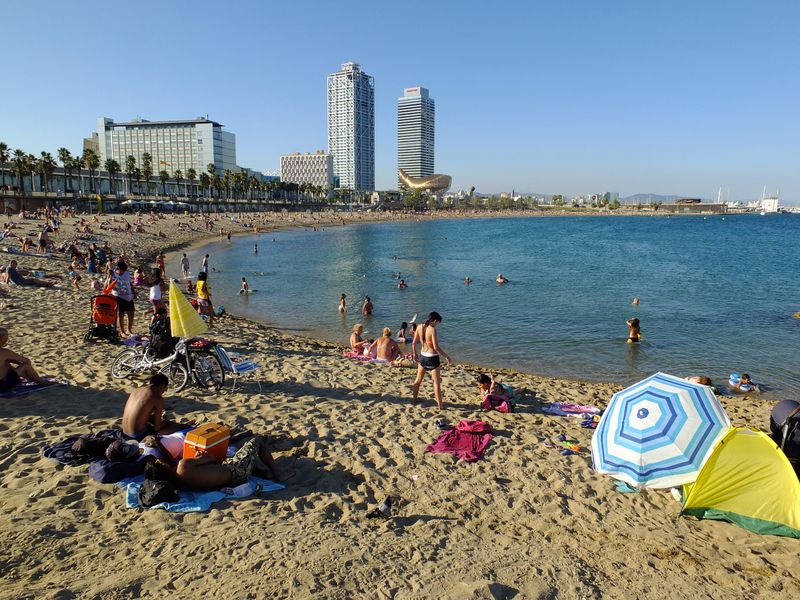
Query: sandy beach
[{"x": 522, "y": 522}]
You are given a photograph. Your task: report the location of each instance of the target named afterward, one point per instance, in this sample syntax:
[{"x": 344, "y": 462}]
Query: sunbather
[
  {"x": 202, "y": 473},
  {"x": 384, "y": 348},
  {"x": 12, "y": 275},
  {"x": 14, "y": 367}
]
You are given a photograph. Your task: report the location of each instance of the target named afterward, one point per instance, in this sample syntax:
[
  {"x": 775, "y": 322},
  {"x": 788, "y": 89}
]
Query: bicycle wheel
[
  {"x": 126, "y": 363},
  {"x": 177, "y": 374},
  {"x": 207, "y": 371}
]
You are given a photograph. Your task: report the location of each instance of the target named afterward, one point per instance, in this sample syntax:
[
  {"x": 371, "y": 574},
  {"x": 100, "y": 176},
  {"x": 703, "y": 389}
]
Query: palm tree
[
  {"x": 163, "y": 176},
  {"x": 216, "y": 183},
  {"x": 4, "y": 156},
  {"x": 113, "y": 168},
  {"x": 92, "y": 162},
  {"x": 19, "y": 166},
  {"x": 77, "y": 163},
  {"x": 205, "y": 182},
  {"x": 226, "y": 183},
  {"x": 178, "y": 179},
  {"x": 130, "y": 171},
  {"x": 147, "y": 169},
  {"x": 46, "y": 166},
  {"x": 65, "y": 156},
  {"x": 137, "y": 175},
  {"x": 191, "y": 175},
  {"x": 32, "y": 165}
]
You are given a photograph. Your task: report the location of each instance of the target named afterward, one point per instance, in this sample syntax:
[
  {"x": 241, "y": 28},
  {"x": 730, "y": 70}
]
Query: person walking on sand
[
  {"x": 185, "y": 266},
  {"x": 428, "y": 359}
]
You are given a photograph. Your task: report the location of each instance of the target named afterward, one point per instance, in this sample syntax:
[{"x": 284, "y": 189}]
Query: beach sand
[{"x": 523, "y": 522}]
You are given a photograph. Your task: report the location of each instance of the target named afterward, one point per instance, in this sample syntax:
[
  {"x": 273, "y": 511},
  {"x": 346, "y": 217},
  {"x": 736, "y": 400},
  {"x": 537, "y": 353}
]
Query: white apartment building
[
  {"x": 316, "y": 169},
  {"x": 173, "y": 145},
  {"x": 351, "y": 127},
  {"x": 416, "y": 113}
]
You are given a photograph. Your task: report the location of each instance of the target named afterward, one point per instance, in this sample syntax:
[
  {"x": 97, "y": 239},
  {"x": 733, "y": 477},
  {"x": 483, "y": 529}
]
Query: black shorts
[
  {"x": 429, "y": 363},
  {"x": 9, "y": 382},
  {"x": 124, "y": 306}
]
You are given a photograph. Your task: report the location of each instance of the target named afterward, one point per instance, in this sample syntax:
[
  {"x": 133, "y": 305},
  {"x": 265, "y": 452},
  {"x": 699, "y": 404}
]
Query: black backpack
[
  {"x": 784, "y": 425},
  {"x": 162, "y": 344}
]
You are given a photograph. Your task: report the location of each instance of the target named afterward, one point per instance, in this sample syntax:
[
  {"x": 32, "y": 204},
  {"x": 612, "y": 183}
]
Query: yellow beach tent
[
  {"x": 748, "y": 481},
  {"x": 184, "y": 320}
]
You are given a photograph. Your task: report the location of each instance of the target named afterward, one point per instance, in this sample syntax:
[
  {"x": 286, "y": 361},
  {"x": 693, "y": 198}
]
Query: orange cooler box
[{"x": 212, "y": 438}]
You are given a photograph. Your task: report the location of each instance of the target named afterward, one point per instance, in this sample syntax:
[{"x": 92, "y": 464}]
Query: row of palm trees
[{"x": 209, "y": 184}]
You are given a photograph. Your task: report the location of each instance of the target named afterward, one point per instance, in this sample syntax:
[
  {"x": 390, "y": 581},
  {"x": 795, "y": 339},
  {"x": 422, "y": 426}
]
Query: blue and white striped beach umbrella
[{"x": 658, "y": 432}]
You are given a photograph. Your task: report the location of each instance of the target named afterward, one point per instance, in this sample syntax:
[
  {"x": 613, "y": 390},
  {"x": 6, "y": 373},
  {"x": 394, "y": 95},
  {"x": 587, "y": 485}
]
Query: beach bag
[
  {"x": 112, "y": 471},
  {"x": 161, "y": 341},
  {"x": 157, "y": 491}
]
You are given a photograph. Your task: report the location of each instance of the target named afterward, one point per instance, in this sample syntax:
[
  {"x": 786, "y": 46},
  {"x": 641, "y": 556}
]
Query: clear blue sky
[{"x": 676, "y": 97}]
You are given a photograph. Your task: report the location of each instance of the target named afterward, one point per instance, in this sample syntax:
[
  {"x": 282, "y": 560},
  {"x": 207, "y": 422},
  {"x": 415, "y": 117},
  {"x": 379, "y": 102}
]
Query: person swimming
[
  {"x": 245, "y": 286},
  {"x": 402, "y": 285},
  {"x": 468, "y": 280},
  {"x": 635, "y": 301},
  {"x": 634, "y": 331},
  {"x": 500, "y": 279}
]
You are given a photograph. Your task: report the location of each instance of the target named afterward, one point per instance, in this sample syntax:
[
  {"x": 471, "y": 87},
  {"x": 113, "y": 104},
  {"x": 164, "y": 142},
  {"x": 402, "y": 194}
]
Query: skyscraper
[
  {"x": 416, "y": 112},
  {"x": 351, "y": 127}
]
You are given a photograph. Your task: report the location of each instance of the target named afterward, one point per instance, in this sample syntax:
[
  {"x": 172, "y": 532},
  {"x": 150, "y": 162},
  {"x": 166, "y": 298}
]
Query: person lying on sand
[
  {"x": 489, "y": 386},
  {"x": 14, "y": 367},
  {"x": 143, "y": 414},
  {"x": 202, "y": 473},
  {"x": 12, "y": 275}
]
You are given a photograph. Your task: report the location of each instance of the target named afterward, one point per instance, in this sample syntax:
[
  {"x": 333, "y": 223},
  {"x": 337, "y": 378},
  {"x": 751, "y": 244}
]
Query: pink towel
[{"x": 467, "y": 440}]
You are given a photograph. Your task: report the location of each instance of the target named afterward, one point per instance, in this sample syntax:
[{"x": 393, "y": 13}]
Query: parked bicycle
[{"x": 188, "y": 362}]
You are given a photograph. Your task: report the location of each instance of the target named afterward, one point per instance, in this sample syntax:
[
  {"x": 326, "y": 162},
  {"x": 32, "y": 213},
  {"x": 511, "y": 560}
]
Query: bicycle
[{"x": 184, "y": 364}]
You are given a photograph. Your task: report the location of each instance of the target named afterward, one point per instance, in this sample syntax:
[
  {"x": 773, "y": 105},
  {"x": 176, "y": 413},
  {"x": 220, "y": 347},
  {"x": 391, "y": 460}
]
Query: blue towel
[
  {"x": 624, "y": 488},
  {"x": 194, "y": 501}
]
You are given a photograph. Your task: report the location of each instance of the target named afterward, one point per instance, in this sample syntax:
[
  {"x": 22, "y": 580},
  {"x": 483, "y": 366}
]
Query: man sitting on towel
[
  {"x": 13, "y": 367},
  {"x": 144, "y": 411}
]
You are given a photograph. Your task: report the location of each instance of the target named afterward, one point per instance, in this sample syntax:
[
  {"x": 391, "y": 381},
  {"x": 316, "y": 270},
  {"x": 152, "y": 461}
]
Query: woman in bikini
[{"x": 428, "y": 358}]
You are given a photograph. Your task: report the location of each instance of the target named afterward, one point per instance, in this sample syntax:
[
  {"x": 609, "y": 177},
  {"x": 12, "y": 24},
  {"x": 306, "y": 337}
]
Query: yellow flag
[{"x": 184, "y": 320}]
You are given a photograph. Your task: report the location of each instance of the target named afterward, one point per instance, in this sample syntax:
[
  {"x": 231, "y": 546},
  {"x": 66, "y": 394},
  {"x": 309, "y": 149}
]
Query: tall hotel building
[
  {"x": 416, "y": 112},
  {"x": 351, "y": 127},
  {"x": 172, "y": 145}
]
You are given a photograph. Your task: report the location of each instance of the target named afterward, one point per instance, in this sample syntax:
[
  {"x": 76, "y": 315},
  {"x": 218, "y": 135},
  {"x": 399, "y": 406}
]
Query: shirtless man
[
  {"x": 144, "y": 410},
  {"x": 13, "y": 367},
  {"x": 385, "y": 347}
]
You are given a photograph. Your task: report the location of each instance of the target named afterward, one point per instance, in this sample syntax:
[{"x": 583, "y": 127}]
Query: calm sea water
[{"x": 716, "y": 295}]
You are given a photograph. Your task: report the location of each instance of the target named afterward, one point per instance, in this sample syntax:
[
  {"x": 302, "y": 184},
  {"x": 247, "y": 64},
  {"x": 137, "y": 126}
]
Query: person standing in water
[
  {"x": 634, "y": 331},
  {"x": 245, "y": 287},
  {"x": 366, "y": 310},
  {"x": 428, "y": 359},
  {"x": 343, "y": 303},
  {"x": 255, "y": 248}
]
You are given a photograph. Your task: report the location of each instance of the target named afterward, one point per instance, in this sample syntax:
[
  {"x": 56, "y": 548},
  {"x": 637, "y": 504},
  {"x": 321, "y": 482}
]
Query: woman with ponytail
[{"x": 428, "y": 358}]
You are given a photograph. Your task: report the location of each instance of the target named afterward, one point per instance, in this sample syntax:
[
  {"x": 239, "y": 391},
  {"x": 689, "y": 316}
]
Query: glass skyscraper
[
  {"x": 351, "y": 127},
  {"x": 173, "y": 145},
  {"x": 416, "y": 112}
]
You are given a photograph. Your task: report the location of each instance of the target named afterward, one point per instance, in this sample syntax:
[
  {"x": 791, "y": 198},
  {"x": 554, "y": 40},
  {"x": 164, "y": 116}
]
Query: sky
[{"x": 679, "y": 97}]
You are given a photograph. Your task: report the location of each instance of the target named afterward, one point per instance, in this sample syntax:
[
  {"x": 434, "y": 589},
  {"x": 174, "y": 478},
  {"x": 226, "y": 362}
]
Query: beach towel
[
  {"x": 63, "y": 453},
  {"x": 368, "y": 359},
  {"x": 571, "y": 409},
  {"x": 25, "y": 387},
  {"x": 201, "y": 501},
  {"x": 468, "y": 440}
]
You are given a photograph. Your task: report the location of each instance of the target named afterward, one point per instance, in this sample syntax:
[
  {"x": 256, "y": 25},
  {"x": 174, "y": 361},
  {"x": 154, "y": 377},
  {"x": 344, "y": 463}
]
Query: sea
[{"x": 717, "y": 294}]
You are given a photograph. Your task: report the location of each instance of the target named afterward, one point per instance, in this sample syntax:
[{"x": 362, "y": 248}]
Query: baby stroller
[{"x": 103, "y": 321}]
